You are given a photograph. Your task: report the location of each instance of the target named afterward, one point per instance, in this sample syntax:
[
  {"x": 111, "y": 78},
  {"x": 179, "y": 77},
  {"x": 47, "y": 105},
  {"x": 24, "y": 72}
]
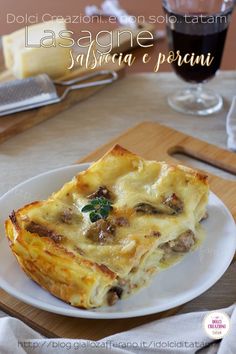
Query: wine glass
[{"x": 197, "y": 27}]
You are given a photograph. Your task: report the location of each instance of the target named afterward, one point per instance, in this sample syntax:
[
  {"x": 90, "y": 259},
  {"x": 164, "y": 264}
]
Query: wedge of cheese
[{"x": 25, "y": 57}]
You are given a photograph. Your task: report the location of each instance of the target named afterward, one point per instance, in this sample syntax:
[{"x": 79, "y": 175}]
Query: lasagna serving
[{"x": 108, "y": 231}]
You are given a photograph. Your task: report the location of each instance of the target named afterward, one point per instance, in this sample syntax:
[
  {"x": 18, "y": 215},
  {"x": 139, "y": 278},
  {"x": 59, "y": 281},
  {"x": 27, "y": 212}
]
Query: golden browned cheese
[{"x": 154, "y": 221}]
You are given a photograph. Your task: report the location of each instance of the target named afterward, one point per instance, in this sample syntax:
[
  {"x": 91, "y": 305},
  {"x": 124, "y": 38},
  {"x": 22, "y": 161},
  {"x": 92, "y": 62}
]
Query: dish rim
[{"x": 93, "y": 314}]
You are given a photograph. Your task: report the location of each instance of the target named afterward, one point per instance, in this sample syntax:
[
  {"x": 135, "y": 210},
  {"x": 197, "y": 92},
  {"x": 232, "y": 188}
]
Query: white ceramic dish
[{"x": 172, "y": 287}]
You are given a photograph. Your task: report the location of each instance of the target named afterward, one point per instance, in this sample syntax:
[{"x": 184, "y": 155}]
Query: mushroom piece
[
  {"x": 102, "y": 231},
  {"x": 174, "y": 203},
  {"x": 146, "y": 208},
  {"x": 113, "y": 295}
]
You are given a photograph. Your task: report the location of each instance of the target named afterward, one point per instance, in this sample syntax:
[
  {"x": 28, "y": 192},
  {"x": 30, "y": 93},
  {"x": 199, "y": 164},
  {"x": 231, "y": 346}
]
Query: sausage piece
[
  {"x": 43, "y": 231},
  {"x": 184, "y": 242},
  {"x": 102, "y": 191}
]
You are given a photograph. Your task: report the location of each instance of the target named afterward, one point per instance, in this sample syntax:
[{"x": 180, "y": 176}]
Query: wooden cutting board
[
  {"x": 152, "y": 141},
  {"x": 16, "y": 123}
]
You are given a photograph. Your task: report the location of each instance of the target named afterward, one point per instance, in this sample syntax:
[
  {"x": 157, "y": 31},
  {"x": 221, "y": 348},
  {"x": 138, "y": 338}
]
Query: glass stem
[{"x": 197, "y": 91}]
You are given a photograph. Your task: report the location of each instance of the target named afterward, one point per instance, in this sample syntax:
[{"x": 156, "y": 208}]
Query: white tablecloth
[{"x": 181, "y": 334}]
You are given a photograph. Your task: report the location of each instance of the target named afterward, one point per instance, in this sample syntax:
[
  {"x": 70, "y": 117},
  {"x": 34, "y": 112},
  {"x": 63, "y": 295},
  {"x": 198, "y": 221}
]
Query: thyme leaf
[{"x": 99, "y": 208}]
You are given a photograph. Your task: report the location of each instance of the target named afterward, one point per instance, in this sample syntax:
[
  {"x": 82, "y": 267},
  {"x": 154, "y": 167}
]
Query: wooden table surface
[
  {"x": 76, "y": 7},
  {"x": 75, "y": 133},
  {"x": 47, "y": 146}
]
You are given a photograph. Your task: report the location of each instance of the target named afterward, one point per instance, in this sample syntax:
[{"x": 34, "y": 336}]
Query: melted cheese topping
[{"x": 134, "y": 253}]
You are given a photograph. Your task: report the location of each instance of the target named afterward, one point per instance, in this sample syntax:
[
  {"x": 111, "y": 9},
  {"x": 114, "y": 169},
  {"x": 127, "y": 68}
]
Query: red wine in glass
[
  {"x": 202, "y": 33},
  {"x": 199, "y": 45}
]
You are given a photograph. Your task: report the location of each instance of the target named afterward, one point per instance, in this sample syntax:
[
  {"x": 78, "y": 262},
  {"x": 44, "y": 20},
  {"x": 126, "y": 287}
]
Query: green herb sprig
[{"x": 99, "y": 208}]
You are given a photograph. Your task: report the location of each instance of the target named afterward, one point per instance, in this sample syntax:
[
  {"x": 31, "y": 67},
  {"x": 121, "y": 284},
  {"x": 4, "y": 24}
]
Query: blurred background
[{"x": 76, "y": 8}]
